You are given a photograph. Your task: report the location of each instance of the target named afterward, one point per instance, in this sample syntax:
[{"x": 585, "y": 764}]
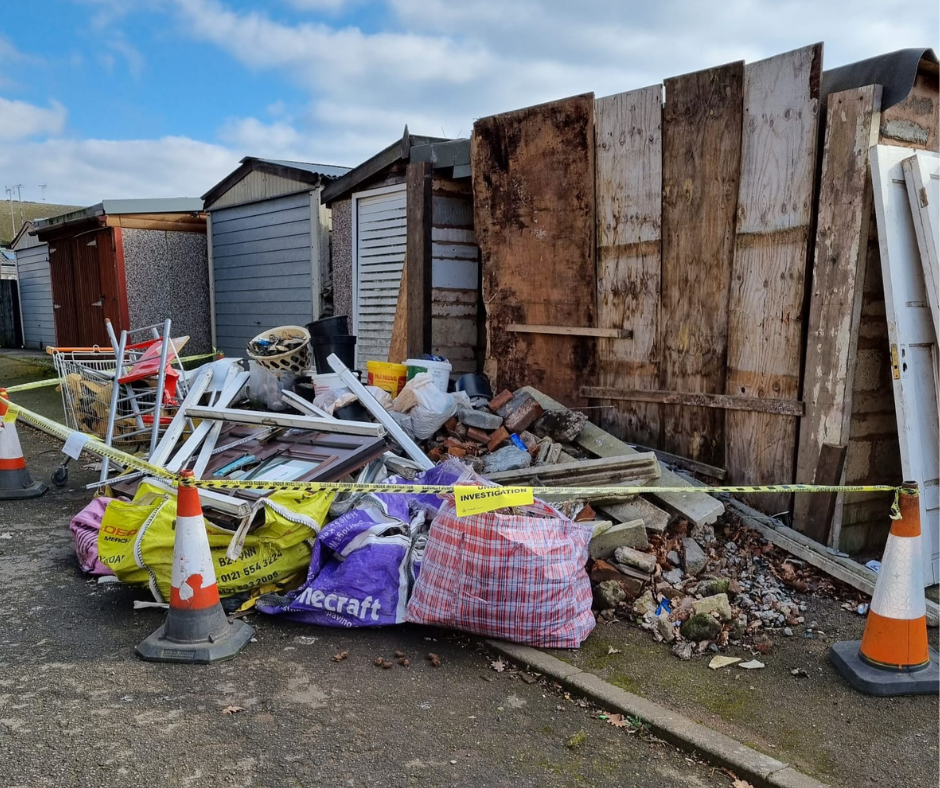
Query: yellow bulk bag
[{"x": 136, "y": 541}]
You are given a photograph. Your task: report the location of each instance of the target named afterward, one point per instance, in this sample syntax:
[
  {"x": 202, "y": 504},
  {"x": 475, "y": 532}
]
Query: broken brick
[
  {"x": 494, "y": 441},
  {"x": 520, "y": 412},
  {"x": 451, "y": 424},
  {"x": 457, "y": 451},
  {"x": 499, "y": 400},
  {"x": 478, "y": 435}
]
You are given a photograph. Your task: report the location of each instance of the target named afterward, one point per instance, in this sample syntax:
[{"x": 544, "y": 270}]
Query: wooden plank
[
  {"x": 717, "y": 401},
  {"x": 838, "y": 275},
  {"x": 571, "y": 331},
  {"x": 629, "y": 194},
  {"x": 829, "y": 471},
  {"x": 859, "y": 577},
  {"x": 398, "y": 345},
  {"x": 913, "y": 344},
  {"x": 922, "y": 176},
  {"x": 765, "y": 305},
  {"x": 698, "y": 508},
  {"x": 416, "y": 289},
  {"x": 570, "y": 474},
  {"x": 701, "y": 156},
  {"x": 686, "y": 464},
  {"x": 533, "y": 185}
]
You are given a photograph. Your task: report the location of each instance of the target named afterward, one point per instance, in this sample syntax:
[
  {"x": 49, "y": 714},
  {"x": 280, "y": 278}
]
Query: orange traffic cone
[
  {"x": 196, "y": 629},
  {"x": 15, "y": 481},
  {"x": 893, "y": 657}
]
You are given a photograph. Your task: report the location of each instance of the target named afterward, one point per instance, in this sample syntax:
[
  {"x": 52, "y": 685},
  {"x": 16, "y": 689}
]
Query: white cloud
[
  {"x": 433, "y": 64},
  {"x": 83, "y": 172},
  {"x": 20, "y": 120}
]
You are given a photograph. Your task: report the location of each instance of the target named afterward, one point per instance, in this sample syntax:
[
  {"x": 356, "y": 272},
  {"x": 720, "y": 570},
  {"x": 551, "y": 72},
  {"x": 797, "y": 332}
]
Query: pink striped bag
[
  {"x": 519, "y": 577},
  {"x": 85, "y": 526}
]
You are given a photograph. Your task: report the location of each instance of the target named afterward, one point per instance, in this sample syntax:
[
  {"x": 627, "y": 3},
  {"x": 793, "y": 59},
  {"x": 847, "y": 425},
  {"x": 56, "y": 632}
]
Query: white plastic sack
[{"x": 427, "y": 406}]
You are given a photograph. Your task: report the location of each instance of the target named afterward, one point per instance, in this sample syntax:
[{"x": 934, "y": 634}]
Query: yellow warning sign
[
  {"x": 10, "y": 416},
  {"x": 475, "y": 500}
]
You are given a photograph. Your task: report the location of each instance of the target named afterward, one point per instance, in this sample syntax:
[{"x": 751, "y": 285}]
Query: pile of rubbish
[
  {"x": 700, "y": 592},
  {"x": 380, "y": 557}
]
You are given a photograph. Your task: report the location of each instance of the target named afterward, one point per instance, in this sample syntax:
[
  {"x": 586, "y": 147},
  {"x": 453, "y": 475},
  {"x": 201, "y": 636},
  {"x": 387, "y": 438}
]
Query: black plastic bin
[
  {"x": 343, "y": 346},
  {"x": 335, "y": 326}
]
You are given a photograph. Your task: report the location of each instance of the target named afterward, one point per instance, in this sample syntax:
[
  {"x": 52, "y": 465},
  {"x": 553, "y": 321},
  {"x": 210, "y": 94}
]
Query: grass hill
[{"x": 26, "y": 210}]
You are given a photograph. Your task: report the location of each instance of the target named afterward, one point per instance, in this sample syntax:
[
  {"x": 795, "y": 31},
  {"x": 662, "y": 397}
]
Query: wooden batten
[
  {"x": 174, "y": 222},
  {"x": 765, "y": 304}
]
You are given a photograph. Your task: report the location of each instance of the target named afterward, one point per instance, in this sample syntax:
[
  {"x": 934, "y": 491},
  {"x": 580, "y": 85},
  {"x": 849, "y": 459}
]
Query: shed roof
[
  {"x": 397, "y": 151},
  {"x": 300, "y": 171},
  {"x": 124, "y": 207}
]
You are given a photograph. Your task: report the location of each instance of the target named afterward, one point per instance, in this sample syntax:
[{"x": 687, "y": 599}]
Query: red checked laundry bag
[{"x": 520, "y": 577}]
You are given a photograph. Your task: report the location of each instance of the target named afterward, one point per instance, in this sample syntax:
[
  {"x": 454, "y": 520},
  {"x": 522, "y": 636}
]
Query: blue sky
[{"x": 128, "y": 98}]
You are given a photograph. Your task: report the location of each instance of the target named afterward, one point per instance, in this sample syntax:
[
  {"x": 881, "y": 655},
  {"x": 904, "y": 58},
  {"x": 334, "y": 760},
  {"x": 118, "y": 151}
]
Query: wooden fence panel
[
  {"x": 533, "y": 188},
  {"x": 765, "y": 307},
  {"x": 701, "y": 156},
  {"x": 629, "y": 191}
]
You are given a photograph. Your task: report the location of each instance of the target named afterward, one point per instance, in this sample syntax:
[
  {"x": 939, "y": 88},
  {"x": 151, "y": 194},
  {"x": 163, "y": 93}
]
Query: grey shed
[{"x": 269, "y": 249}]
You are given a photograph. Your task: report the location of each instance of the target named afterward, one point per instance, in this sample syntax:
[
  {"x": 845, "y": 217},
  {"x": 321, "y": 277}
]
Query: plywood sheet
[
  {"x": 701, "y": 156},
  {"x": 765, "y": 306},
  {"x": 913, "y": 344},
  {"x": 838, "y": 276},
  {"x": 533, "y": 185},
  {"x": 629, "y": 185}
]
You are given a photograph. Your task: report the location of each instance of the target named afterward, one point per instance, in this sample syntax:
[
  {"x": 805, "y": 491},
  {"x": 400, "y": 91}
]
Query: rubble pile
[
  {"x": 699, "y": 591},
  {"x": 508, "y": 433}
]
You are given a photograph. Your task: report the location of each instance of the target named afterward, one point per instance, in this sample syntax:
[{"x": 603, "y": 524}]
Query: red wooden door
[
  {"x": 87, "y": 288},
  {"x": 61, "y": 268}
]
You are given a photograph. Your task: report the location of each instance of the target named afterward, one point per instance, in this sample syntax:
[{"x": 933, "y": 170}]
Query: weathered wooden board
[
  {"x": 765, "y": 306},
  {"x": 913, "y": 345},
  {"x": 629, "y": 184},
  {"x": 415, "y": 288},
  {"x": 701, "y": 156},
  {"x": 922, "y": 176},
  {"x": 533, "y": 186},
  {"x": 838, "y": 274}
]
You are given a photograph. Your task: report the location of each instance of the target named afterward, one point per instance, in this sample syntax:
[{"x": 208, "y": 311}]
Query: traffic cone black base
[
  {"x": 18, "y": 484},
  {"x": 182, "y": 638},
  {"x": 877, "y": 680}
]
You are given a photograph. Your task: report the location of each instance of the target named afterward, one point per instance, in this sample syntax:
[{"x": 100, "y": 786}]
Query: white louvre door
[{"x": 380, "y": 257}]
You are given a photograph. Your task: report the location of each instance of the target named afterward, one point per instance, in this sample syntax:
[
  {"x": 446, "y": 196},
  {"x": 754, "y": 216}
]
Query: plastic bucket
[
  {"x": 388, "y": 377},
  {"x": 335, "y": 326},
  {"x": 323, "y": 383},
  {"x": 342, "y": 346},
  {"x": 439, "y": 371}
]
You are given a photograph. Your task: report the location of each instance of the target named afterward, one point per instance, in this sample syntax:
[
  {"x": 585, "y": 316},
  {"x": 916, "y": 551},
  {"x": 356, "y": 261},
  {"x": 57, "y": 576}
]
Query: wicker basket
[{"x": 296, "y": 361}]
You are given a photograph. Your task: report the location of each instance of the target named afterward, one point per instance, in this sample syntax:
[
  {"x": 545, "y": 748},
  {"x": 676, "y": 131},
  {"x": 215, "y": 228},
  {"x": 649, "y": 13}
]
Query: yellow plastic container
[{"x": 388, "y": 377}]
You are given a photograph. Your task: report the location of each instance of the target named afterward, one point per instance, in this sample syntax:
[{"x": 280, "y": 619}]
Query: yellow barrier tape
[
  {"x": 98, "y": 447},
  {"x": 92, "y": 444}
]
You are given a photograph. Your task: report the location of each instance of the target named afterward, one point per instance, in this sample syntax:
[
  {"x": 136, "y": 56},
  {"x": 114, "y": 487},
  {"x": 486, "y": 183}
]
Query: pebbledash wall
[
  {"x": 167, "y": 277},
  {"x": 342, "y": 258}
]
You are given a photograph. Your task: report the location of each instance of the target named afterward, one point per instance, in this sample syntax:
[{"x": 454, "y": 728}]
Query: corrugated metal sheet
[
  {"x": 381, "y": 236},
  {"x": 262, "y": 269},
  {"x": 32, "y": 263}
]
